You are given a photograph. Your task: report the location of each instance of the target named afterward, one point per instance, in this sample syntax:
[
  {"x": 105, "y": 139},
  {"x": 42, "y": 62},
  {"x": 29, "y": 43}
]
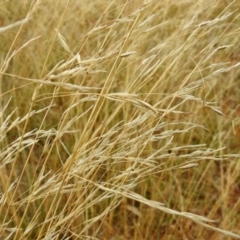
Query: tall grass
[{"x": 119, "y": 119}]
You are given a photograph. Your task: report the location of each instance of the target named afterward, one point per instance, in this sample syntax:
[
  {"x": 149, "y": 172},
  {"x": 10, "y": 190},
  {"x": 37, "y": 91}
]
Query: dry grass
[{"x": 119, "y": 119}]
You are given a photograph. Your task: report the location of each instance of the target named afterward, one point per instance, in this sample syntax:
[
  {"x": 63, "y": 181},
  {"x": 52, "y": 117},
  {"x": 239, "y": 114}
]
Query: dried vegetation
[{"x": 119, "y": 119}]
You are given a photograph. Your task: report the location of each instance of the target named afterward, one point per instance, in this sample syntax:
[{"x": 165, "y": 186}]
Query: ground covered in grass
[{"x": 119, "y": 119}]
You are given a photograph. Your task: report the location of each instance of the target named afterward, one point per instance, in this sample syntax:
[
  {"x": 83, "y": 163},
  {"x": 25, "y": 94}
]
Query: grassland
[{"x": 120, "y": 119}]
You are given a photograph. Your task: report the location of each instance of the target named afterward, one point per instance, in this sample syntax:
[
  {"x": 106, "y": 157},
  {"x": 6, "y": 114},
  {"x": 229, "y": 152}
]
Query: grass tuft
[{"x": 119, "y": 120}]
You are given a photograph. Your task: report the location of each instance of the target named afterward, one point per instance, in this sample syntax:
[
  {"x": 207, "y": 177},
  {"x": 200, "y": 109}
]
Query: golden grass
[{"x": 119, "y": 119}]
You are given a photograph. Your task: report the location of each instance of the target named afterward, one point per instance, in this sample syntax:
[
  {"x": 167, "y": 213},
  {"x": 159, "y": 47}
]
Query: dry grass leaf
[{"x": 10, "y": 26}]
